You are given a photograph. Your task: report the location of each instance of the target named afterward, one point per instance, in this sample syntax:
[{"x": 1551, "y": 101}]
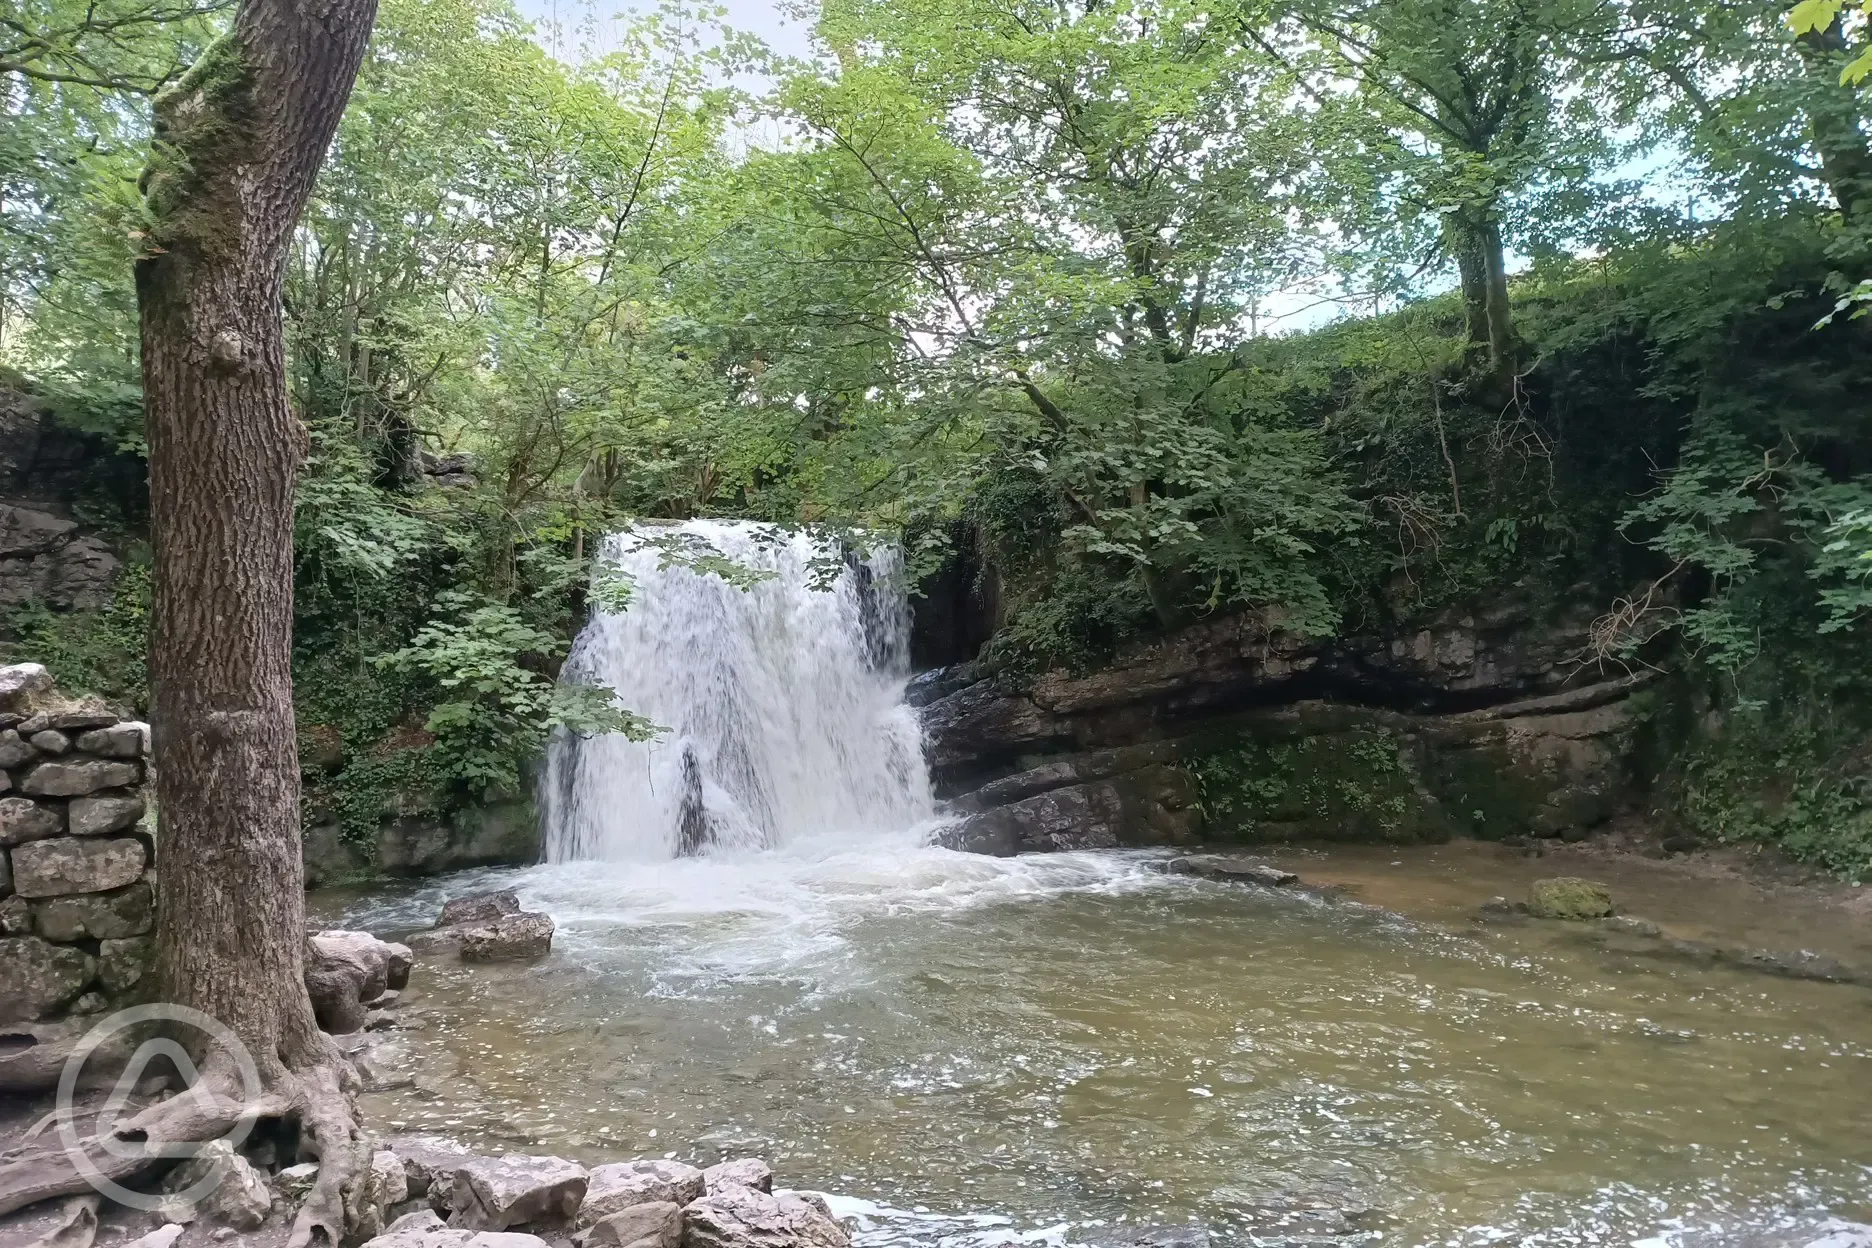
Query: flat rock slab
[
  {"x": 655, "y": 1225},
  {"x": 130, "y": 911},
  {"x": 23, "y": 820},
  {"x": 78, "y": 779},
  {"x": 454, "y": 1237},
  {"x": 97, "y": 816},
  {"x": 619, "y": 1186},
  {"x": 510, "y": 938},
  {"x": 749, "y": 1172},
  {"x": 480, "y": 908},
  {"x": 742, "y": 1217},
  {"x": 494, "y": 1193},
  {"x": 125, "y": 740},
  {"x": 66, "y": 865},
  {"x": 1232, "y": 870}
]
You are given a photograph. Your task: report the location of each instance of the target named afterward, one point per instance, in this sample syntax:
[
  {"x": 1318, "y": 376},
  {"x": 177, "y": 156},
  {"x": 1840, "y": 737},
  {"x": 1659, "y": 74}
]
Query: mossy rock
[{"x": 1568, "y": 897}]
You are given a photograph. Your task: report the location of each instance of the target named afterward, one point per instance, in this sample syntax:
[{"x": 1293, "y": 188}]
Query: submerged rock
[
  {"x": 1232, "y": 870},
  {"x": 1568, "y": 897},
  {"x": 1189, "y": 1235}
]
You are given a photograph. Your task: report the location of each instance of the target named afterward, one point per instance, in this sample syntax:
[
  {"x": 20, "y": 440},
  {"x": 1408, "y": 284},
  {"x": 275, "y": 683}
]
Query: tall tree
[
  {"x": 237, "y": 145},
  {"x": 1459, "y": 102}
]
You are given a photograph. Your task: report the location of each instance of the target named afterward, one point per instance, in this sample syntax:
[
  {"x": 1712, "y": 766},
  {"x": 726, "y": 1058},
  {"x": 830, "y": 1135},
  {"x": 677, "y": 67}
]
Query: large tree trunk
[
  {"x": 1501, "y": 340},
  {"x": 238, "y": 146},
  {"x": 1472, "y": 273},
  {"x": 1834, "y": 117},
  {"x": 238, "y": 143},
  {"x": 1481, "y": 266}
]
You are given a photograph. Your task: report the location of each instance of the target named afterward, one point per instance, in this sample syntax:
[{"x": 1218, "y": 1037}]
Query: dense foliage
[{"x": 1019, "y": 281}]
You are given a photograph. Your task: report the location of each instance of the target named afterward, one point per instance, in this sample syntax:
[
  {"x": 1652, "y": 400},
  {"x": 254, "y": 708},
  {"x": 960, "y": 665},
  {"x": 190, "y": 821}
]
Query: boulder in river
[
  {"x": 429, "y": 1166},
  {"x": 343, "y": 970},
  {"x": 511, "y": 938},
  {"x": 623, "y": 1184},
  {"x": 744, "y": 1217},
  {"x": 494, "y": 1193},
  {"x": 480, "y": 908},
  {"x": 750, "y": 1172},
  {"x": 1569, "y": 897},
  {"x": 658, "y": 1224},
  {"x": 488, "y": 927}
]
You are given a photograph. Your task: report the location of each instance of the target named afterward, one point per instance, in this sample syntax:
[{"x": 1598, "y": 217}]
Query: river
[{"x": 758, "y": 953}]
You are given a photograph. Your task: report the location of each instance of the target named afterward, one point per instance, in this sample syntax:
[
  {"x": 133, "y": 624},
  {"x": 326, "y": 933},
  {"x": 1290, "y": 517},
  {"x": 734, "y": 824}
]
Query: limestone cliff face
[
  {"x": 46, "y": 555},
  {"x": 1480, "y": 722}
]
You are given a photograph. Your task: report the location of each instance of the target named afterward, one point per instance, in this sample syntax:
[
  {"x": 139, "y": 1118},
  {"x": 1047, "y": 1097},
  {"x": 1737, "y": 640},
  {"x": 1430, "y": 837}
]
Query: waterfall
[{"x": 783, "y": 703}]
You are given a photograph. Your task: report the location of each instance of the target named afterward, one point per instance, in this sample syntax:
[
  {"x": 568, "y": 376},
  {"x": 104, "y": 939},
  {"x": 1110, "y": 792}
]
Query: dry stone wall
[{"x": 77, "y": 865}]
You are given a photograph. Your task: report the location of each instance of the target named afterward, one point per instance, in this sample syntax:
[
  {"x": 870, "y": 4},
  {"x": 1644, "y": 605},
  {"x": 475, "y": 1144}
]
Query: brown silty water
[{"x": 968, "y": 1048}]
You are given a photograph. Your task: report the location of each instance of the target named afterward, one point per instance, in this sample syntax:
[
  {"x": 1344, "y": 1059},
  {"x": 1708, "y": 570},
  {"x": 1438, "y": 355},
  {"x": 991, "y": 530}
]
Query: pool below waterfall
[{"x": 970, "y": 1047}]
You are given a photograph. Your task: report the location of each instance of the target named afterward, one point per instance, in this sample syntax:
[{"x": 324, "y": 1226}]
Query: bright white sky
[{"x": 757, "y": 17}]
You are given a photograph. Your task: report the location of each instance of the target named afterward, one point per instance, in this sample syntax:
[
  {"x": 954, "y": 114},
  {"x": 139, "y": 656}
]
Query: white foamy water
[
  {"x": 783, "y": 703},
  {"x": 736, "y": 913}
]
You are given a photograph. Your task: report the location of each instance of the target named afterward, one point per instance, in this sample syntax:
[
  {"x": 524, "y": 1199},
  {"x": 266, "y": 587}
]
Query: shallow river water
[{"x": 965, "y": 1046}]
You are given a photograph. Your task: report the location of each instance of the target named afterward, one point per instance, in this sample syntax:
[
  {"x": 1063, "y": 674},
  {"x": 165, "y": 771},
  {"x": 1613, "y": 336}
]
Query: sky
[{"x": 757, "y": 17}]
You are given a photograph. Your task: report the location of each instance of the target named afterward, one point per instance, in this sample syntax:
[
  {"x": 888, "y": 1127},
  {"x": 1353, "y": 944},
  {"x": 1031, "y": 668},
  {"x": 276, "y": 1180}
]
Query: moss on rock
[{"x": 1569, "y": 897}]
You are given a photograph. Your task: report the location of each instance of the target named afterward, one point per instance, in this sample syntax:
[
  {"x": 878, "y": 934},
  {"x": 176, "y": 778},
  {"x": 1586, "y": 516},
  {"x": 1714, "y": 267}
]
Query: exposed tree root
[
  {"x": 330, "y": 1133},
  {"x": 317, "y": 1092}
]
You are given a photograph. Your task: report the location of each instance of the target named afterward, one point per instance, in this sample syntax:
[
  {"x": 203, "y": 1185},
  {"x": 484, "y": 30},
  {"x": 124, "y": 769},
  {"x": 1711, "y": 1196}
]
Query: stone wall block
[
  {"x": 13, "y": 749},
  {"x": 125, "y": 740},
  {"x": 122, "y": 963},
  {"x": 23, "y": 820},
  {"x": 51, "y": 741},
  {"x": 76, "y": 779},
  {"x": 37, "y": 977},
  {"x": 67, "y": 865},
  {"x": 124, "y": 912},
  {"x": 97, "y": 816},
  {"x": 77, "y": 874}
]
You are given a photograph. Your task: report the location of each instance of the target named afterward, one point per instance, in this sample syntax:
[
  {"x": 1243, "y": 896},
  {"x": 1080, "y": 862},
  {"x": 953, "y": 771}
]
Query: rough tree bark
[
  {"x": 1481, "y": 264},
  {"x": 238, "y": 143},
  {"x": 1834, "y": 113}
]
